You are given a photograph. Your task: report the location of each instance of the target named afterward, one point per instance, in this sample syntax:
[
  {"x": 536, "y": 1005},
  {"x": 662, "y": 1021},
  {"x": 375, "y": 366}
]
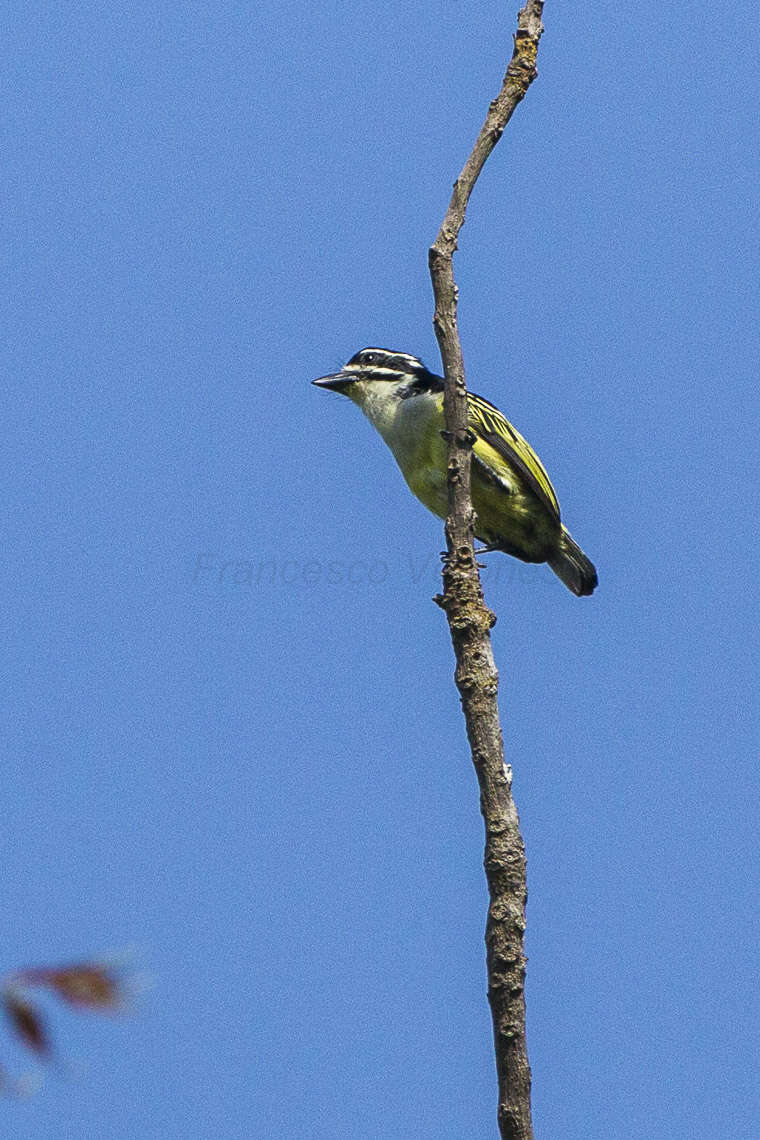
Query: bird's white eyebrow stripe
[
  {"x": 391, "y": 361},
  {"x": 410, "y": 361}
]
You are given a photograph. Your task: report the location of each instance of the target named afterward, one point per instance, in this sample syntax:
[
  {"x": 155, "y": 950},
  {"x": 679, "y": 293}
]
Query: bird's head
[{"x": 380, "y": 373}]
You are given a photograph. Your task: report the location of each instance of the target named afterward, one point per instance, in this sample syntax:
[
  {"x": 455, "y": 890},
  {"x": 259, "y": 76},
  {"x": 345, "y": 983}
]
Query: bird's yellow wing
[{"x": 500, "y": 446}]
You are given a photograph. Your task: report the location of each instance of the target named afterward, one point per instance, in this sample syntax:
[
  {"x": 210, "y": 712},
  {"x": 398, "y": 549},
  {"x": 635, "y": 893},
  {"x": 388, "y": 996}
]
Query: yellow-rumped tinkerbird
[{"x": 515, "y": 504}]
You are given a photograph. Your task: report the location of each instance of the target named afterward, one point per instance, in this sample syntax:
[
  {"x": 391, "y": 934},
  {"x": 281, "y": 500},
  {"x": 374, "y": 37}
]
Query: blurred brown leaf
[
  {"x": 26, "y": 1021},
  {"x": 88, "y": 985}
]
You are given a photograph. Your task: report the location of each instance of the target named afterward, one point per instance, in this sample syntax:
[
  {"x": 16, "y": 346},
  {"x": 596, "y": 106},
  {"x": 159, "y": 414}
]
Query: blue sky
[{"x": 231, "y": 736}]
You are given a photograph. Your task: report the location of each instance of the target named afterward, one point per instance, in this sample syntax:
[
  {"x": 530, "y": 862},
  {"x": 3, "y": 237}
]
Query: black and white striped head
[{"x": 406, "y": 373}]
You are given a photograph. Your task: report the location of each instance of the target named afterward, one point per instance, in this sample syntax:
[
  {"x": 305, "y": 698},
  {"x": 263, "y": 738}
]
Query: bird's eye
[{"x": 370, "y": 358}]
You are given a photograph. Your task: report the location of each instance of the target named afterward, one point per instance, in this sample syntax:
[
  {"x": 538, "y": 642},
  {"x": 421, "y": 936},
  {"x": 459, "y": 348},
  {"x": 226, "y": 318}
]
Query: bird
[{"x": 516, "y": 507}]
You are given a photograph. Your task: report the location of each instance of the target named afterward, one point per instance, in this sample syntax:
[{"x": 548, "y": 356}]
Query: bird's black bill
[{"x": 337, "y": 381}]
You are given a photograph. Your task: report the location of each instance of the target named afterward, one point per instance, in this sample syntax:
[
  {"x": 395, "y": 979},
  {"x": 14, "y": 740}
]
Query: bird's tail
[{"x": 571, "y": 565}]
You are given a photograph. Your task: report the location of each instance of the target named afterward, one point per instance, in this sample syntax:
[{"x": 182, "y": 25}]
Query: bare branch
[{"x": 470, "y": 622}]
